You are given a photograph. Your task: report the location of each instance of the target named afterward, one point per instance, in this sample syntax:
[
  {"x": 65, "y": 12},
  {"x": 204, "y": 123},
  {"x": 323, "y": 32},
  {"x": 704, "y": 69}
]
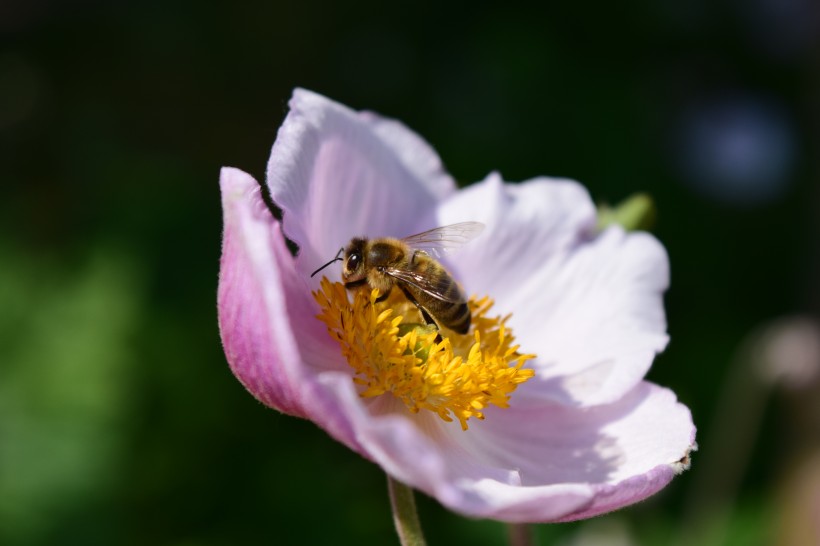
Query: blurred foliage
[
  {"x": 65, "y": 401},
  {"x": 120, "y": 422}
]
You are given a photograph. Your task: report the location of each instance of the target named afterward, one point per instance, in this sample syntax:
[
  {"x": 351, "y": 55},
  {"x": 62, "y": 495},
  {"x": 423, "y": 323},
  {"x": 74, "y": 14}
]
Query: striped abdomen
[{"x": 449, "y": 305}]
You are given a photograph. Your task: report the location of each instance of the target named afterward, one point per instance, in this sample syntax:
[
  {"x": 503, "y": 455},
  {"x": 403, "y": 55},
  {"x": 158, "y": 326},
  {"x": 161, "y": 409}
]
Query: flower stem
[
  {"x": 405, "y": 516},
  {"x": 521, "y": 534}
]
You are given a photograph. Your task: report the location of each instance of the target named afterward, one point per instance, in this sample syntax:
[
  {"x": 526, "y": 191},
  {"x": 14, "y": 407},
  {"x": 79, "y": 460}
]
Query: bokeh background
[{"x": 120, "y": 422}]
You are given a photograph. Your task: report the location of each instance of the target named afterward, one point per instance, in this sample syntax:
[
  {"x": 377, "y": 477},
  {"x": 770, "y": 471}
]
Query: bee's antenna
[{"x": 336, "y": 259}]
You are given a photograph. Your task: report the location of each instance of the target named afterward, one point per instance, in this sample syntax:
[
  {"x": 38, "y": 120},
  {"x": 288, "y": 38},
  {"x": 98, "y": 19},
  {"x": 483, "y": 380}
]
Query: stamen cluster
[{"x": 392, "y": 351}]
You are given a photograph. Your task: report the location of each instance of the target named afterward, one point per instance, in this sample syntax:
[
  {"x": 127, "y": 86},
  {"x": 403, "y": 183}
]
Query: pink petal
[
  {"x": 272, "y": 341},
  {"x": 590, "y": 307},
  {"x": 255, "y": 329},
  {"x": 261, "y": 298},
  {"x": 555, "y": 463},
  {"x": 338, "y": 174}
]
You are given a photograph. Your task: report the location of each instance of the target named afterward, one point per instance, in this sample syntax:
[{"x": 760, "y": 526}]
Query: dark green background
[{"x": 120, "y": 422}]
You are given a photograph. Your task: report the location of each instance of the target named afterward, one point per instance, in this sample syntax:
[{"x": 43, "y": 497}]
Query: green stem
[
  {"x": 521, "y": 534},
  {"x": 405, "y": 516}
]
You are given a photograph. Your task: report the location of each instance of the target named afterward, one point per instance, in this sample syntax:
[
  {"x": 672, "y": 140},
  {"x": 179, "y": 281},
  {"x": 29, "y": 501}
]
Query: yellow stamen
[{"x": 391, "y": 350}]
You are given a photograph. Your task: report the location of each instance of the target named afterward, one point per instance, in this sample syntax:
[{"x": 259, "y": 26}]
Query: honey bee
[{"x": 408, "y": 264}]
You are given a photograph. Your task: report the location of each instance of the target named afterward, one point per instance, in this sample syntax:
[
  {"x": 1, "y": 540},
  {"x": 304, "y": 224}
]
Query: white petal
[
  {"x": 424, "y": 452},
  {"x": 596, "y": 319},
  {"x": 526, "y": 225},
  {"x": 624, "y": 452},
  {"x": 589, "y": 306},
  {"x": 554, "y": 463},
  {"x": 338, "y": 174}
]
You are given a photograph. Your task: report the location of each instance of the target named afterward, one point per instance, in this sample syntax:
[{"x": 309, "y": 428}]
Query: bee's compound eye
[{"x": 353, "y": 261}]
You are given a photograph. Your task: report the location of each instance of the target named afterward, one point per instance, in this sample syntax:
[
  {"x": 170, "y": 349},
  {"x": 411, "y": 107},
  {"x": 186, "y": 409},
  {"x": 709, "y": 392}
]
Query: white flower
[{"x": 585, "y": 435}]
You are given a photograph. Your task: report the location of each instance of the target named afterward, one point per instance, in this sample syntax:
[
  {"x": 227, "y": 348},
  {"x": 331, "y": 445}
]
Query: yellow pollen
[{"x": 392, "y": 351}]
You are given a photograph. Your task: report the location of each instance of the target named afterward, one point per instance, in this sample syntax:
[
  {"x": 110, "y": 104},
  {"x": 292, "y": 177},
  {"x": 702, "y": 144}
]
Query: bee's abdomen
[
  {"x": 451, "y": 309},
  {"x": 453, "y": 314},
  {"x": 456, "y": 317}
]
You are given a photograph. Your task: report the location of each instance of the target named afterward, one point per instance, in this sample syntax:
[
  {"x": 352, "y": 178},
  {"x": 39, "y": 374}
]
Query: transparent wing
[
  {"x": 437, "y": 287},
  {"x": 445, "y": 238}
]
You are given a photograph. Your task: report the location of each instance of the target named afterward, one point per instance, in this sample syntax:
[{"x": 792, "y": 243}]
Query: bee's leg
[
  {"x": 425, "y": 316},
  {"x": 383, "y": 297}
]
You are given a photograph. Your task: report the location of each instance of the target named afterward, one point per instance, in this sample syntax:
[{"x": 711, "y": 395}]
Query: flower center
[{"x": 391, "y": 350}]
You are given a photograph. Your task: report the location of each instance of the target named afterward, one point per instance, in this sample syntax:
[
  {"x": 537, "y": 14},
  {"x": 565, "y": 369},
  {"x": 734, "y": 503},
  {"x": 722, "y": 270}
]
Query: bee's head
[{"x": 354, "y": 264}]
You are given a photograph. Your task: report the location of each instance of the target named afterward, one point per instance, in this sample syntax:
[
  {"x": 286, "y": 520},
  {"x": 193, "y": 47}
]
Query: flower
[{"x": 584, "y": 435}]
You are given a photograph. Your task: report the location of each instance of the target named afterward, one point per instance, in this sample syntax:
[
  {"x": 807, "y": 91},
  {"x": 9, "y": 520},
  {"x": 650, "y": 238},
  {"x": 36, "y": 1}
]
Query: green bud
[{"x": 636, "y": 212}]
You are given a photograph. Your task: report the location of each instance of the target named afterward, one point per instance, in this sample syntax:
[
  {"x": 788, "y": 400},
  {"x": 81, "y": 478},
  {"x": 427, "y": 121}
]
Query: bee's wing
[
  {"x": 437, "y": 287},
  {"x": 445, "y": 238}
]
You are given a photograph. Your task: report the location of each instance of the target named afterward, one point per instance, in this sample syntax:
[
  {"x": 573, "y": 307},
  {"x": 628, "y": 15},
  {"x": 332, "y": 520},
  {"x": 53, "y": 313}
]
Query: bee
[{"x": 408, "y": 263}]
